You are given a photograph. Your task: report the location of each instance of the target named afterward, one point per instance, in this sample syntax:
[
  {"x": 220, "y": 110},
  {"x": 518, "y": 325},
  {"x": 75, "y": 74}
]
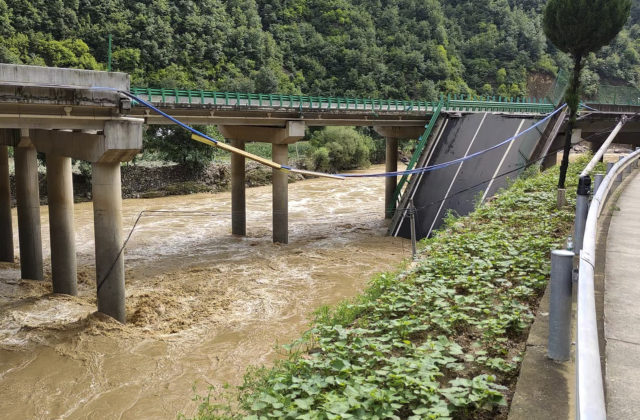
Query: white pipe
[{"x": 587, "y": 170}]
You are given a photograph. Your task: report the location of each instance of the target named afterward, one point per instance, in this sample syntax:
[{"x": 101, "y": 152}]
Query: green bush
[
  {"x": 174, "y": 144},
  {"x": 339, "y": 148},
  {"x": 441, "y": 339}
]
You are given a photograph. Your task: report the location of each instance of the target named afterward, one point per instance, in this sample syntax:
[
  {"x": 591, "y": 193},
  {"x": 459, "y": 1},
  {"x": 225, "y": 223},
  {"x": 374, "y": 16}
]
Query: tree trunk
[{"x": 573, "y": 101}]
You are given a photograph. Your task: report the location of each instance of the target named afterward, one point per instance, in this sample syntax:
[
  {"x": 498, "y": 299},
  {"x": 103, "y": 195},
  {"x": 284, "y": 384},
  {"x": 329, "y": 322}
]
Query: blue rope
[
  {"x": 455, "y": 161},
  {"x": 378, "y": 175}
]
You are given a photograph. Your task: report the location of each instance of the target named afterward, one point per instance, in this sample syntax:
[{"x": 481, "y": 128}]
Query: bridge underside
[{"x": 459, "y": 187}]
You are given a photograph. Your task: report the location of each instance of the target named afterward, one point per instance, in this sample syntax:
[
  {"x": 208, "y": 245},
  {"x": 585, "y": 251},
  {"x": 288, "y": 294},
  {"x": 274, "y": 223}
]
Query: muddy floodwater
[{"x": 202, "y": 305}]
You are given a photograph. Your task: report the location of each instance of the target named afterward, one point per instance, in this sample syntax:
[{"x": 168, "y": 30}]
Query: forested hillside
[{"x": 392, "y": 48}]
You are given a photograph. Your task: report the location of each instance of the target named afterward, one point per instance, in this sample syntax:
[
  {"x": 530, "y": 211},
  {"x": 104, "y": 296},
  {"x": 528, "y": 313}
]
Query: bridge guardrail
[
  {"x": 590, "y": 401},
  {"x": 304, "y": 102},
  {"x": 422, "y": 142}
]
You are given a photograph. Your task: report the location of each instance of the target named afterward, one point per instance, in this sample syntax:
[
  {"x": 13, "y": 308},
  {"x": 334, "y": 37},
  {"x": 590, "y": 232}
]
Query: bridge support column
[
  {"x": 392, "y": 135},
  {"x": 28, "y": 203},
  {"x": 280, "y": 138},
  {"x": 238, "y": 199},
  {"x": 107, "y": 219},
  {"x": 280, "y": 154},
  {"x": 63, "y": 241},
  {"x": 391, "y": 182},
  {"x": 6, "y": 228}
]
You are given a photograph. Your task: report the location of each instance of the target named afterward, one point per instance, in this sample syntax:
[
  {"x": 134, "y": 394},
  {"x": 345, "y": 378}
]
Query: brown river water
[{"x": 202, "y": 305}]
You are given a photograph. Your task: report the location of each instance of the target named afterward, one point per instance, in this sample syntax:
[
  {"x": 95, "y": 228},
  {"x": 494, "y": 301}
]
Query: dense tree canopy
[
  {"x": 394, "y": 48},
  {"x": 579, "y": 30}
]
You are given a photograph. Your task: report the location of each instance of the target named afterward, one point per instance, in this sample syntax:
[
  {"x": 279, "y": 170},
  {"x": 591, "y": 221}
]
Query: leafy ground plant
[{"x": 442, "y": 339}]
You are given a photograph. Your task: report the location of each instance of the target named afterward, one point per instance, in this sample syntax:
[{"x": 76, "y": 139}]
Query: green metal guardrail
[
  {"x": 604, "y": 94},
  {"x": 616, "y": 95},
  {"x": 422, "y": 142},
  {"x": 452, "y": 102}
]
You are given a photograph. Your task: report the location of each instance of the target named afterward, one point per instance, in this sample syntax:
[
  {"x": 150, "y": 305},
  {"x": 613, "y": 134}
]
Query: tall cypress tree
[{"x": 579, "y": 27}]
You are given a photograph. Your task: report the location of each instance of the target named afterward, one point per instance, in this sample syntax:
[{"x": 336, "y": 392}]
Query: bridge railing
[
  {"x": 236, "y": 99},
  {"x": 616, "y": 95},
  {"x": 468, "y": 103},
  {"x": 590, "y": 401}
]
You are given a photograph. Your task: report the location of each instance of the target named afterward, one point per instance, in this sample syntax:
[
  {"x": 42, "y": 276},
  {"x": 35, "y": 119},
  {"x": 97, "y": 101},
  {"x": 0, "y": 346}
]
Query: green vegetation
[
  {"x": 440, "y": 339},
  {"x": 338, "y": 148},
  {"x": 579, "y": 30},
  {"x": 401, "y": 49}
]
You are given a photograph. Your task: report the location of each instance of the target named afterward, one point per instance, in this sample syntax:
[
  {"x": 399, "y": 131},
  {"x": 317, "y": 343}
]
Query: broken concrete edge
[{"x": 17, "y": 74}]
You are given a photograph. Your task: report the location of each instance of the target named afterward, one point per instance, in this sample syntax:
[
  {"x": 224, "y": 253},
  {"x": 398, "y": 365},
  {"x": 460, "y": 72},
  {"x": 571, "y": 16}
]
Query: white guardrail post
[
  {"x": 590, "y": 403},
  {"x": 559, "y": 340}
]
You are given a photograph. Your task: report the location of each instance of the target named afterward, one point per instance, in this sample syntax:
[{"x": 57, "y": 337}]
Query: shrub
[{"x": 344, "y": 148}]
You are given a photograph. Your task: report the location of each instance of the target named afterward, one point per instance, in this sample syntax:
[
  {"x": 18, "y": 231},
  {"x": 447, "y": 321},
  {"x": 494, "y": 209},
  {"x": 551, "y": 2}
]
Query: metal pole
[
  {"x": 412, "y": 216},
  {"x": 597, "y": 181},
  {"x": 627, "y": 170},
  {"x": 619, "y": 177},
  {"x": 600, "y": 153},
  {"x": 582, "y": 208},
  {"x": 559, "y": 342}
]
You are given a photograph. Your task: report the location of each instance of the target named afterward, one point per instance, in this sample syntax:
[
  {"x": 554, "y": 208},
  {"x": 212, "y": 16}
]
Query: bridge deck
[
  {"x": 621, "y": 310},
  {"x": 230, "y": 108}
]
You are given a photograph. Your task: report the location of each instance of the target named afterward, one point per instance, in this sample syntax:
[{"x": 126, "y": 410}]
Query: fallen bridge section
[{"x": 459, "y": 187}]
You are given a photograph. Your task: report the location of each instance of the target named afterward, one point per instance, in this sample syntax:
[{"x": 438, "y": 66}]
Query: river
[{"x": 202, "y": 305}]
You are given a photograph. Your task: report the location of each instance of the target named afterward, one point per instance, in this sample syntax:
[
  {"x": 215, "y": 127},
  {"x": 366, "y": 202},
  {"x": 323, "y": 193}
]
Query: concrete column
[
  {"x": 63, "y": 240},
  {"x": 28, "y": 203},
  {"x": 280, "y": 195},
  {"x": 6, "y": 228},
  {"x": 391, "y": 165},
  {"x": 107, "y": 220},
  {"x": 238, "y": 200}
]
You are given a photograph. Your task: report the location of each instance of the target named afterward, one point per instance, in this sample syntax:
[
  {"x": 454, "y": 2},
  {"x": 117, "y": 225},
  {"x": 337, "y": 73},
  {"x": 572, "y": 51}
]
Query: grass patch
[{"x": 442, "y": 338}]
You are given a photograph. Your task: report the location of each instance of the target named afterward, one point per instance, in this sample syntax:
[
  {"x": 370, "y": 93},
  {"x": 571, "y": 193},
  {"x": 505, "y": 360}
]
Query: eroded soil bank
[{"x": 202, "y": 305}]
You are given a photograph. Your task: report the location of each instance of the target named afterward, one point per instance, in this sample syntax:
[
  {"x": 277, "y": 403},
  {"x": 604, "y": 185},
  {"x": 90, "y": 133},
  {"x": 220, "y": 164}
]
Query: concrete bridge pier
[
  {"x": 280, "y": 138},
  {"x": 280, "y": 180},
  {"x": 391, "y": 182},
  {"x": 28, "y": 204},
  {"x": 119, "y": 141},
  {"x": 238, "y": 195},
  {"x": 61, "y": 230},
  {"x": 392, "y": 135},
  {"x": 107, "y": 219},
  {"x": 6, "y": 229}
]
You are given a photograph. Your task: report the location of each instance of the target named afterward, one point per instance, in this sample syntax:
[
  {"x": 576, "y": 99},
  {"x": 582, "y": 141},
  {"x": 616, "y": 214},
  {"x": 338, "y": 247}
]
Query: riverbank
[{"x": 441, "y": 339}]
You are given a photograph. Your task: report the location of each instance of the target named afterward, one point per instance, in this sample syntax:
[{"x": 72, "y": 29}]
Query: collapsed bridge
[{"x": 97, "y": 117}]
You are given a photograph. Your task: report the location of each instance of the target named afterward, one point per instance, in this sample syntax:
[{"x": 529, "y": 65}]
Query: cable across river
[{"x": 203, "y": 138}]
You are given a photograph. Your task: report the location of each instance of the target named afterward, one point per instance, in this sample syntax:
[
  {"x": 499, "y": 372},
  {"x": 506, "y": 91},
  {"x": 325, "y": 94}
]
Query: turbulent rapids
[{"x": 201, "y": 305}]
